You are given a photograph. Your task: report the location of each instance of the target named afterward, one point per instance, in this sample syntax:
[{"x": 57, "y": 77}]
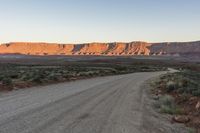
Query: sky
[{"x": 82, "y": 21}]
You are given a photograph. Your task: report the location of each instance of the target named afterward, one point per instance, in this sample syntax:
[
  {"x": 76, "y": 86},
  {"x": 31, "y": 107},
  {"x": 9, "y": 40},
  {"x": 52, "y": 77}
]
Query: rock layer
[{"x": 132, "y": 48}]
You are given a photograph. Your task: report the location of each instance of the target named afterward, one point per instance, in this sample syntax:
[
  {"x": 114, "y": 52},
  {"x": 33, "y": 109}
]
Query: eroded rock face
[
  {"x": 92, "y": 49},
  {"x": 133, "y": 48},
  {"x": 35, "y": 48},
  {"x": 175, "y": 48}
]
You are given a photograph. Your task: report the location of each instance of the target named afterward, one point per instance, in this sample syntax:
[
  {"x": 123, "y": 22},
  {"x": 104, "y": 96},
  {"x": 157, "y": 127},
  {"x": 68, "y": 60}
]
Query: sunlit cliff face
[{"x": 114, "y": 49}]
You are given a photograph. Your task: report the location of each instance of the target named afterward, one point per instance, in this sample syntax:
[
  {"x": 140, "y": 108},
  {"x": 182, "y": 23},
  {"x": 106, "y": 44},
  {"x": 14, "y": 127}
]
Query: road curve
[{"x": 110, "y": 104}]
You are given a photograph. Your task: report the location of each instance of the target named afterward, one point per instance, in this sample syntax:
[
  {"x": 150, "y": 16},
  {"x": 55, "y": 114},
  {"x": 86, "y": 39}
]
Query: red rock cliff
[{"x": 133, "y": 48}]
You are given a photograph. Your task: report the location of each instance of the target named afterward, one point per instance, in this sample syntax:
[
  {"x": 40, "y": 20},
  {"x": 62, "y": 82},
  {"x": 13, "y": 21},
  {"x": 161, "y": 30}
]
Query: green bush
[
  {"x": 166, "y": 109},
  {"x": 38, "y": 78},
  {"x": 14, "y": 76},
  {"x": 27, "y": 76},
  {"x": 121, "y": 68},
  {"x": 1, "y": 77},
  {"x": 7, "y": 81},
  {"x": 196, "y": 92},
  {"x": 184, "y": 82},
  {"x": 167, "y": 100},
  {"x": 191, "y": 130},
  {"x": 53, "y": 76},
  {"x": 166, "y": 104},
  {"x": 171, "y": 110},
  {"x": 171, "y": 86}
]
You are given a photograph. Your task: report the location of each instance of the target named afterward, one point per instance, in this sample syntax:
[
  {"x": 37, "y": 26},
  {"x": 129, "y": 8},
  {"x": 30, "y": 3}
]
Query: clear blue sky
[{"x": 79, "y": 21}]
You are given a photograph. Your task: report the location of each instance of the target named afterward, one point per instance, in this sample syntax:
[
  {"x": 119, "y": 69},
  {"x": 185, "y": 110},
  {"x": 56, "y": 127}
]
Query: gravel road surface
[{"x": 112, "y": 104}]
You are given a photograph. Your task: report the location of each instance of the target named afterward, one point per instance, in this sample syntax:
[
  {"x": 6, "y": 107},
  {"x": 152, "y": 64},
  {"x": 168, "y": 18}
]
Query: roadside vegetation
[
  {"x": 22, "y": 76},
  {"x": 178, "y": 94}
]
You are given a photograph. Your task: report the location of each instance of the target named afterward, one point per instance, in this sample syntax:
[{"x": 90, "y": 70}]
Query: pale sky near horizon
[{"x": 80, "y": 21}]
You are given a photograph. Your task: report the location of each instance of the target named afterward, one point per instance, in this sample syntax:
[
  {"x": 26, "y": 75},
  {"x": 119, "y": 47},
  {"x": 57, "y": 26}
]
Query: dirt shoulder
[
  {"x": 177, "y": 94},
  {"x": 153, "y": 121}
]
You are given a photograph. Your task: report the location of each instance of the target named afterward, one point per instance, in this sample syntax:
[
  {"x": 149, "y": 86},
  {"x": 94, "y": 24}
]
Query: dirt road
[{"x": 111, "y": 104}]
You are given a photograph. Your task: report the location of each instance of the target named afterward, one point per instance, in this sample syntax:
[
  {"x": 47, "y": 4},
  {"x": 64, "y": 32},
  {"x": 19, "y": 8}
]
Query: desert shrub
[
  {"x": 196, "y": 92},
  {"x": 61, "y": 71},
  {"x": 1, "y": 77},
  {"x": 145, "y": 67},
  {"x": 184, "y": 82},
  {"x": 166, "y": 109},
  {"x": 167, "y": 100},
  {"x": 38, "y": 78},
  {"x": 27, "y": 76},
  {"x": 80, "y": 74},
  {"x": 53, "y": 76},
  {"x": 171, "y": 110},
  {"x": 120, "y": 68},
  {"x": 7, "y": 81},
  {"x": 171, "y": 86},
  {"x": 190, "y": 87},
  {"x": 166, "y": 104},
  {"x": 96, "y": 73},
  {"x": 90, "y": 74},
  {"x": 157, "y": 105},
  {"x": 191, "y": 130},
  {"x": 14, "y": 76},
  {"x": 114, "y": 71},
  {"x": 66, "y": 76}
]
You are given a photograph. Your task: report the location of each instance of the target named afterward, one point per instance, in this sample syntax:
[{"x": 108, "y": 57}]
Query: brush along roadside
[{"x": 178, "y": 94}]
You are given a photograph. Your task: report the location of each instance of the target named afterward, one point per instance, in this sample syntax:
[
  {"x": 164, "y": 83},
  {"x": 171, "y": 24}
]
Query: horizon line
[{"x": 98, "y": 42}]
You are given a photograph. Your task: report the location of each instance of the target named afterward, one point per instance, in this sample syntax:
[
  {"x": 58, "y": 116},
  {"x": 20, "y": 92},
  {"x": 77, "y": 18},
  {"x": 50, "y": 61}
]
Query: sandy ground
[{"x": 113, "y": 104}]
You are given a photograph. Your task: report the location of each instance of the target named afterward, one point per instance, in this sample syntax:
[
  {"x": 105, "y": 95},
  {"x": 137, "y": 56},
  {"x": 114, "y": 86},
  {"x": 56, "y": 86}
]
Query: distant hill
[{"x": 106, "y": 49}]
